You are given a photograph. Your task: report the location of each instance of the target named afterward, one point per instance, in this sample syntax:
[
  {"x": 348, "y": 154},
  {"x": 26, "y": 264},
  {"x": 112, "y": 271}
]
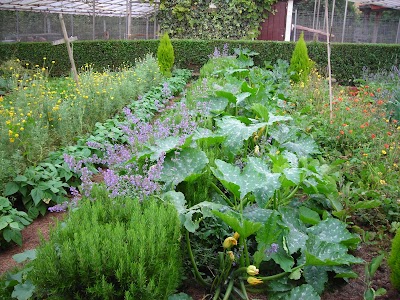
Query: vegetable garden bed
[{"x": 273, "y": 197}]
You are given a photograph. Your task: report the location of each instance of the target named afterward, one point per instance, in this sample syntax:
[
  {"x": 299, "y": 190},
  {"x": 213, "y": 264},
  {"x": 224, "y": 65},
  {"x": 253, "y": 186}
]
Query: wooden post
[
  {"x": 289, "y": 13},
  {"x": 71, "y": 57}
]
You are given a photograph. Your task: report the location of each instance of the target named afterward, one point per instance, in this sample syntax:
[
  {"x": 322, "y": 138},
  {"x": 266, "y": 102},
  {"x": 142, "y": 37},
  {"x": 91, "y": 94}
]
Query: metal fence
[
  {"x": 32, "y": 26},
  {"x": 355, "y": 29}
]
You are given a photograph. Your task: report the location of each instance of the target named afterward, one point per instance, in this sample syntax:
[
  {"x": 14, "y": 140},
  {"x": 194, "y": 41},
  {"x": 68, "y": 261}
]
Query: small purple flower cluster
[
  {"x": 123, "y": 175},
  {"x": 272, "y": 249},
  {"x": 67, "y": 204},
  {"x": 217, "y": 53}
]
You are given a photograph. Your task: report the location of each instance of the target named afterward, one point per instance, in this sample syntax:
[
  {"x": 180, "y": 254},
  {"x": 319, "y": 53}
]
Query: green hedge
[{"x": 348, "y": 60}]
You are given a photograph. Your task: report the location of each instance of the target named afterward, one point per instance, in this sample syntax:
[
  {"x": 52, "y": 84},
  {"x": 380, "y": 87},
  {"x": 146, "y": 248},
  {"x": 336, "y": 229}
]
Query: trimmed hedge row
[{"x": 348, "y": 60}]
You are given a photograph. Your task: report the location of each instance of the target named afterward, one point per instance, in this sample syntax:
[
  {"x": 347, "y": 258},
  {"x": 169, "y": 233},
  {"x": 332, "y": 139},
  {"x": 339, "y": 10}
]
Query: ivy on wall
[{"x": 230, "y": 19}]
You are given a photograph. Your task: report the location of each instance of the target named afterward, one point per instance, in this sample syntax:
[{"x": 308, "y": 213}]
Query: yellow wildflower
[
  {"x": 236, "y": 236},
  {"x": 384, "y": 152}
]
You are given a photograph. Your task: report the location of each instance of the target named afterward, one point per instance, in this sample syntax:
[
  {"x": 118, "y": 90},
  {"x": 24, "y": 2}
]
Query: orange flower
[
  {"x": 373, "y": 136},
  {"x": 347, "y": 108},
  {"x": 379, "y": 102},
  {"x": 362, "y": 126},
  {"x": 341, "y": 132},
  {"x": 389, "y": 133},
  {"x": 344, "y": 125},
  {"x": 351, "y": 131},
  {"x": 387, "y": 146}
]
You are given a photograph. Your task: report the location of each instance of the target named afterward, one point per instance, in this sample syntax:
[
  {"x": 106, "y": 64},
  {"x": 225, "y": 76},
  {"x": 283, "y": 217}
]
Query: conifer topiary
[
  {"x": 165, "y": 55},
  {"x": 394, "y": 261},
  {"x": 300, "y": 63}
]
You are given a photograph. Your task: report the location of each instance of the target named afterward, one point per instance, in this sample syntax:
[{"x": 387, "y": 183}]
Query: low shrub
[
  {"x": 300, "y": 63},
  {"x": 394, "y": 261},
  {"x": 165, "y": 55},
  {"x": 117, "y": 248}
]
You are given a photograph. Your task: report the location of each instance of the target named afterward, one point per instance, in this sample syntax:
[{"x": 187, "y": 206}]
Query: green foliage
[
  {"x": 300, "y": 63},
  {"x": 237, "y": 19},
  {"x": 12, "y": 222},
  {"x": 216, "y": 64},
  {"x": 112, "y": 249},
  {"x": 348, "y": 59},
  {"x": 370, "y": 269},
  {"x": 165, "y": 55},
  {"x": 394, "y": 261}
]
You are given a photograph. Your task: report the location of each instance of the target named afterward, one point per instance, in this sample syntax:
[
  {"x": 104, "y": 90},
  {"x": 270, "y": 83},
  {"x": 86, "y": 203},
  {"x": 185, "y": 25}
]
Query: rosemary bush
[{"x": 112, "y": 249}]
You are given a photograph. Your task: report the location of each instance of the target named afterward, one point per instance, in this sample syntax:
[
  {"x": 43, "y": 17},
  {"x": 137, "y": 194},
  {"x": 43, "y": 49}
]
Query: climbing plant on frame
[{"x": 230, "y": 19}]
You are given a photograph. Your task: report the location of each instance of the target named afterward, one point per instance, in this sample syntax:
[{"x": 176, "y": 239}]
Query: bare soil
[{"x": 336, "y": 290}]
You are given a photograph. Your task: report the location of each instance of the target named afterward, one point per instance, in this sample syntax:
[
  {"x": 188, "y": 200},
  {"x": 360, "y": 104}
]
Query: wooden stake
[{"x": 71, "y": 56}]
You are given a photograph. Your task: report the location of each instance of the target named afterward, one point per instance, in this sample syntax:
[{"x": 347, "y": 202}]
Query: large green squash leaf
[
  {"x": 334, "y": 231},
  {"x": 167, "y": 145},
  {"x": 236, "y": 132},
  {"x": 236, "y": 221},
  {"x": 317, "y": 276},
  {"x": 228, "y": 175},
  {"x": 303, "y": 147},
  {"x": 296, "y": 238},
  {"x": 303, "y": 292},
  {"x": 186, "y": 167},
  {"x": 201, "y": 210},
  {"x": 321, "y": 253},
  {"x": 256, "y": 177}
]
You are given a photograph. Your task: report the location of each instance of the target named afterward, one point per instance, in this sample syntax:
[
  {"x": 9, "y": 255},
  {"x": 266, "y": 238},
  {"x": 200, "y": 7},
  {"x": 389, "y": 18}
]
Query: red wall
[{"x": 273, "y": 27}]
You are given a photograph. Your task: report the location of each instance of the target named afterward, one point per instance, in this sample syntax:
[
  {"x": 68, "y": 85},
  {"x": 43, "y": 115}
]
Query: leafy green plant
[
  {"x": 370, "y": 269},
  {"x": 165, "y": 55},
  {"x": 39, "y": 186},
  {"x": 394, "y": 261},
  {"x": 131, "y": 251},
  {"x": 16, "y": 283},
  {"x": 300, "y": 63},
  {"x": 12, "y": 222}
]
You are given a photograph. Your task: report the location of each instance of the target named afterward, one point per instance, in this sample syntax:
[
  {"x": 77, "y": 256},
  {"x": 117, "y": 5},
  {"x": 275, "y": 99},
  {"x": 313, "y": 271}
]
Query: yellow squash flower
[
  {"x": 229, "y": 242},
  {"x": 252, "y": 270},
  {"x": 254, "y": 281}
]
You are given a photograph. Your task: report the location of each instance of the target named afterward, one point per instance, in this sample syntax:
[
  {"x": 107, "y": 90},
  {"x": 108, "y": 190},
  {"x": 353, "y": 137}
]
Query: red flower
[
  {"x": 373, "y": 136},
  {"x": 341, "y": 132},
  {"x": 379, "y": 102},
  {"x": 386, "y": 146}
]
